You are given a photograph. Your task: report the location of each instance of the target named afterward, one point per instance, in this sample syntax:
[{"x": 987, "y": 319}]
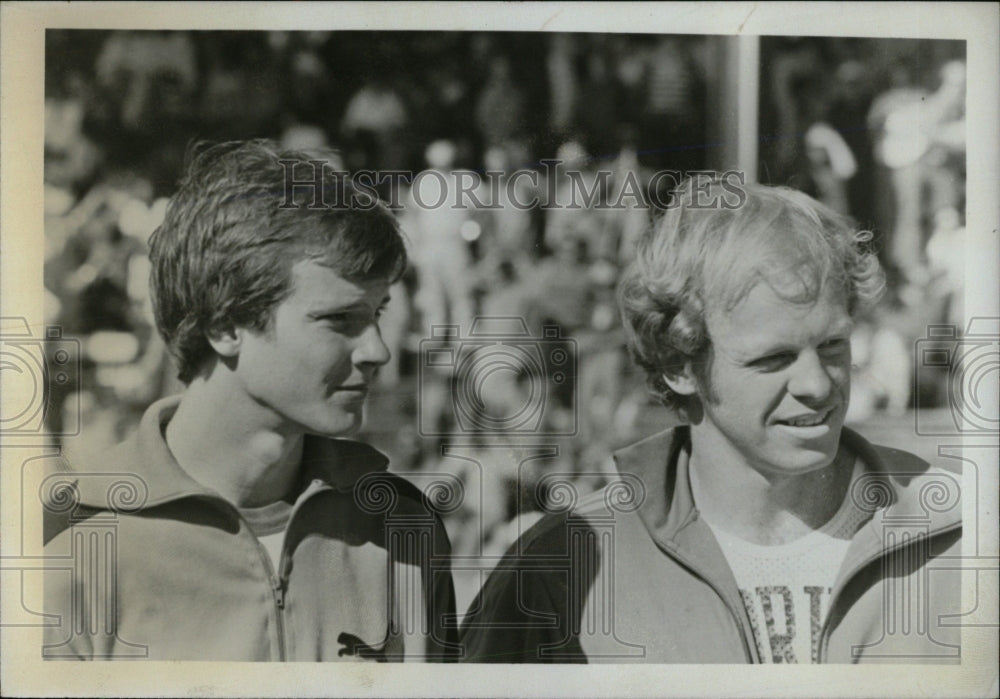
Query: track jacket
[
  {"x": 631, "y": 574},
  {"x": 159, "y": 567}
]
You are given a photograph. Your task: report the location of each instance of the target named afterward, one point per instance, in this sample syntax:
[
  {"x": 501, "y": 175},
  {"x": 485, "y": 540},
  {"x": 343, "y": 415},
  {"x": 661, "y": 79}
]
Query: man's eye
[
  {"x": 773, "y": 362},
  {"x": 835, "y": 347},
  {"x": 351, "y": 323},
  {"x": 345, "y": 323}
]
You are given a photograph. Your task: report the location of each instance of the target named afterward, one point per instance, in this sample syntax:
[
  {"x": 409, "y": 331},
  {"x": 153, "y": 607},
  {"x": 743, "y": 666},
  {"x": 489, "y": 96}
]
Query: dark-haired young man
[
  {"x": 258, "y": 532},
  {"x": 760, "y": 529}
]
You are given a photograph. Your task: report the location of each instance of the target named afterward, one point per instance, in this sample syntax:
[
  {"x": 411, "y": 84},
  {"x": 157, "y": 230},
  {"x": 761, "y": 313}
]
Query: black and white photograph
[{"x": 541, "y": 334}]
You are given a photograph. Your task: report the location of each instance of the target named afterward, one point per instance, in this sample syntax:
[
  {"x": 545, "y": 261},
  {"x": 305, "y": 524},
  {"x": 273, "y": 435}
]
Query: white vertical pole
[{"x": 747, "y": 72}]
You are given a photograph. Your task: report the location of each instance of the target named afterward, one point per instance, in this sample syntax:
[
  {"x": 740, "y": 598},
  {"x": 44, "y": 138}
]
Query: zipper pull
[{"x": 279, "y": 593}]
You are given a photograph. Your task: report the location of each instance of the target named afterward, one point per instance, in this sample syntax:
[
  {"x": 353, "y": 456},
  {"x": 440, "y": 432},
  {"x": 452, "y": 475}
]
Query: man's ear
[
  {"x": 225, "y": 341},
  {"x": 681, "y": 380}
]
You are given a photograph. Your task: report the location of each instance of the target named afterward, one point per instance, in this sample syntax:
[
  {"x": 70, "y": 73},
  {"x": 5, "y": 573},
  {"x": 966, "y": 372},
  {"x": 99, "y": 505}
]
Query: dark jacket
[
  {"x": 159, "y": 567},
  {"x": 631, "y": 574}
]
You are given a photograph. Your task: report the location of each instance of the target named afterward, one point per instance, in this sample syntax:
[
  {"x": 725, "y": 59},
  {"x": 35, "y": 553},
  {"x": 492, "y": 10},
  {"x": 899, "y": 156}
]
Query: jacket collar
[
  {"x": 668, "y": 510},
  {"x": 145, "y": 465},
  {"x": 897, "y": 485}
]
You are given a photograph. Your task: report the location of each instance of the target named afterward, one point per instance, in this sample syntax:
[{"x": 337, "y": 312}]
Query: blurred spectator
[
  {"x": 155, "y": 74},
  {"x": 308, "y": 106},
  {"x": 507, "y": 229},
  {"x": 600, "y": 98},
  {"x": 854, "y": 85},
  {"x": 100, "y": 281},
  {"x": 829, "y": 161},
  {"x": 242, "y": 93},
  {"x": 946, "y": 263},
  {"x": 630, "y": 71},
  {"x": 915, "y": 131},
  {"x": 440, "y": 254},
  {"x": 672, "y": 135},
  {"x": 882, "y": 367},
  {"x": 563, "y": 292},
  {"x": 627, "y": 215},
  {"x": 144, "y": 109},
  {"x": 500, "y": 107},
  {"x": 71, "y": 156},
  {"x": 376, "y": 118},
  {"x": 570, "y": 220},
  {"x": 450, "y": 95},
  {"x": 562, "y": 83},
  {"x": 796, "y": 61}
]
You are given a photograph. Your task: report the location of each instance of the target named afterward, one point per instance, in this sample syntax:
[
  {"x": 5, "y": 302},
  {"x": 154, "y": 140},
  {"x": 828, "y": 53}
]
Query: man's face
[
  {"x": 313, "y": 367},
  {"x": 778, "y": 382}
]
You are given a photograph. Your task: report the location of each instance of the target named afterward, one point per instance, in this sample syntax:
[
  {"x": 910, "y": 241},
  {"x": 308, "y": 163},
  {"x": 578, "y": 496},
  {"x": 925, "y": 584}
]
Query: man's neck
[
  {"x": 764, "y": 508},
  {"x": 232, "y": 445}
]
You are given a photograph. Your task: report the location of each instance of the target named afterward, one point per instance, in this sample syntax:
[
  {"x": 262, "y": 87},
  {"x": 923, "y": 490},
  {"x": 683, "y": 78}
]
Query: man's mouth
[
  {"x": 810, "y": 420},
  {"x": 354, "y": 388}
]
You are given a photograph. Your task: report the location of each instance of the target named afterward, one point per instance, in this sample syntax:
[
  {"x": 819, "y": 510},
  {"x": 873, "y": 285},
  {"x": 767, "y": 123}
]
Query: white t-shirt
[{"x": 786, "y": 588}]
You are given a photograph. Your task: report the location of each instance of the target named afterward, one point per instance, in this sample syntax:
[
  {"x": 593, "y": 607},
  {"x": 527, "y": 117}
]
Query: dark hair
[
  {"x": 697, "y": 259},
  {"x": 223, "y": 255}
]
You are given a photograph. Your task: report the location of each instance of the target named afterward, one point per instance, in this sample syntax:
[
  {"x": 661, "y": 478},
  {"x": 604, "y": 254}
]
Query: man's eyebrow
[
  {"x": 752, "y": 352},
  {"x": 327, "y": 309},
  {"x": 842, "y": 327},
  {"x": 348, "y": 306}
]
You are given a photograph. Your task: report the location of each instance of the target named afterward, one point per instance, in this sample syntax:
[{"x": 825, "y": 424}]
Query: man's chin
[
  {"x": 343, "y": 427},
  {"x": 351, "y": 429}
]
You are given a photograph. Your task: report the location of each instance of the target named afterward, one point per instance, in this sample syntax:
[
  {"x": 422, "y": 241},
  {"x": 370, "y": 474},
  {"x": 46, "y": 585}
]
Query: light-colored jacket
[
  {"x": 632, "y": 574},
  {"x": 159, "y": 567}
]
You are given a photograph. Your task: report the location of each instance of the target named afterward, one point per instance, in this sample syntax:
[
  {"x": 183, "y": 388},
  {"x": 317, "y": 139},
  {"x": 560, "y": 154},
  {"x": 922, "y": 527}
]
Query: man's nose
[
  {"x": 810, "y": 378},
  {"x": 370, "y": 348}
]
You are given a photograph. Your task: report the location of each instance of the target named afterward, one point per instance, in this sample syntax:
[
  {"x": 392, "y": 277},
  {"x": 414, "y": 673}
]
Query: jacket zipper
[
  {"x": 824, "y": 635},
  {"x": 278, "y": 592},
  {"x": 277, "y": 583}
]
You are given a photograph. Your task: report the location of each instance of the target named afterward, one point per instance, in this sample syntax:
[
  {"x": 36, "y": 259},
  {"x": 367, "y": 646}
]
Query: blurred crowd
[
  {"x": 878, "y": 132},
  {"x": 874, "y": 128}
]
